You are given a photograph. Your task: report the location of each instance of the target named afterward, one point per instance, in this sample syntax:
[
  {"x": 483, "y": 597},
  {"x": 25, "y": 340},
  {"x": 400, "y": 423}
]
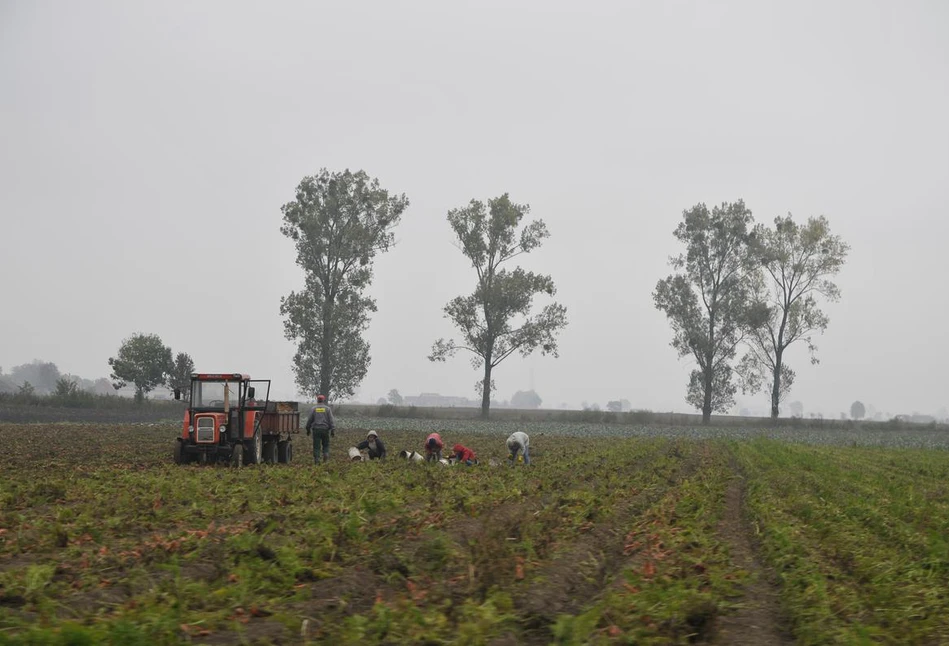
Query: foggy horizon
[{"x": 145, "y": 145}]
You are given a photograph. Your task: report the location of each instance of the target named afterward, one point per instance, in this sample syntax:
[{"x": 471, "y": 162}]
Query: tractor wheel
[
  {"x": 270, "y": 452},
  {"x": 237, "y": 455},
  {"x": 255, "y": 449},
  {"x": 283, "y": 452},
  {"x": 180, "y": 457}
]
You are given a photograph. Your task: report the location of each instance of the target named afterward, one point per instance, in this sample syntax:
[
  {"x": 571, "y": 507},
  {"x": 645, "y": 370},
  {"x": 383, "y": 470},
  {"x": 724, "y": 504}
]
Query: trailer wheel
[
  {"x": 237, "y": 455},
  {"x": 270, "y": 452},
  {"x": 180, "y": 457},
  {"x": 284, "y": 452}
]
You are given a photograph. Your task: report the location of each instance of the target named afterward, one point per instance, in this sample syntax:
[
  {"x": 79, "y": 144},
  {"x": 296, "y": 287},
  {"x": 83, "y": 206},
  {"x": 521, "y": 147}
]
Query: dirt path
[{"x": 758, "y": 622}]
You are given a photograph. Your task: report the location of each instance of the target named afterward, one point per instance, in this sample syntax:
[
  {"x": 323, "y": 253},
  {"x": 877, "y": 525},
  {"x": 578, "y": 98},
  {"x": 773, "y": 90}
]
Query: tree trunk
[
  {"x": 776, "y": 388},
  {"x": 709, "y": 372},
  {"x": 707, "y": 402},
  {"x": 326, "y": 346},
  {"x": 486, "y": 391}
]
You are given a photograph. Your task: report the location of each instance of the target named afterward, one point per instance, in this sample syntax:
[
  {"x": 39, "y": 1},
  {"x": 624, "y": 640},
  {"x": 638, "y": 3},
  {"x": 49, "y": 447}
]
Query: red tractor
[{"x": 230, "y": 417}]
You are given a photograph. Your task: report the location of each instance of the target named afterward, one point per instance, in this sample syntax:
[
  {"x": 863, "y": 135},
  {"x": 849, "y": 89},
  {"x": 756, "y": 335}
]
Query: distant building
[{"x": 434, "y": 400}]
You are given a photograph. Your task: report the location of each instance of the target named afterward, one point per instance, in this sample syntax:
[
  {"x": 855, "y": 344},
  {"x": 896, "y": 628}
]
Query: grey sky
[{"x": 147, "y": 147}]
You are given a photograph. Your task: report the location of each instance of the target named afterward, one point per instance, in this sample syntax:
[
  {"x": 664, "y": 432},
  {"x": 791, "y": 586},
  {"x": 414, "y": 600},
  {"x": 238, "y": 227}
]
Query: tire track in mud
[
  {"x": 567, "y": 583},
  {"x": 759, "y": 619}
]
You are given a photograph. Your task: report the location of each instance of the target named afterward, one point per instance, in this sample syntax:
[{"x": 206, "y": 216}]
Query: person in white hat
[
  {"x": 374, "y": 445},
  {"x": 517, "y": 442}
]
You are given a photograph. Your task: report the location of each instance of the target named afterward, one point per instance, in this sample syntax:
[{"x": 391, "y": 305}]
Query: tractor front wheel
[
  {"x": 237, "y": 455},
  {"x": 180, "y": 457}
]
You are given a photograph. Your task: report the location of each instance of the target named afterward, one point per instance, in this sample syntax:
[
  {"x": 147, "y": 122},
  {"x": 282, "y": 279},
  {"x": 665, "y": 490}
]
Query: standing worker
[
  {"x": 372, "y": 443},
  {"x": 321, "y": 424},
  {"x": 518, "y": 441},
  {"x": 433, "y": 448}
]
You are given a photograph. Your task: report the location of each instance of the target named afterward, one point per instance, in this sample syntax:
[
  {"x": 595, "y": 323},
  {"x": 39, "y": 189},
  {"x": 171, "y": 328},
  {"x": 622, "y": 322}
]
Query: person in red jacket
[
  {"x": 464, "y": 454},
  {"x": 433, "y": 447}
]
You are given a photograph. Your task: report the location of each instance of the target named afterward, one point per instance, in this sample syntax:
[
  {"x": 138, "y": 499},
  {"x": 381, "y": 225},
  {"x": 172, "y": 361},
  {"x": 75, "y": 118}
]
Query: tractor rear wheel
[
  {"x": 284, "y": 452},
  {"x": 237, "y": 455}
]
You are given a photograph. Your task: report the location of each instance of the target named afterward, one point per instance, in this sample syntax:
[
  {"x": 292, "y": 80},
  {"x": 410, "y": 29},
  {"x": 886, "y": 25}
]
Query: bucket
[
  {"x": 411, "y": 455},
  {"x": 354, "y": 454},
  {"x": 444, "y": 462}
]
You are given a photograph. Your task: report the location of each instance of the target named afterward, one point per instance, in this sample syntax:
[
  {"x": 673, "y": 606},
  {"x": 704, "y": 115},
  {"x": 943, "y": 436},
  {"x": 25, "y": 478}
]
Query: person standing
[
  {"x": 518, "y": 442},
  {"x": 322, "y": 425},
  {"x": 372, "y": 444}
]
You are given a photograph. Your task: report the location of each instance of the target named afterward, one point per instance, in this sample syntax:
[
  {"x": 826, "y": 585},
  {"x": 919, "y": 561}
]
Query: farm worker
[
  {"x": 517, "y": 442},
  {"x": 464, "y": 454},
  {"x": 321, "y": 424},
  {"x": 374, "y": 445},
  {"x": 433, "y": 447}
]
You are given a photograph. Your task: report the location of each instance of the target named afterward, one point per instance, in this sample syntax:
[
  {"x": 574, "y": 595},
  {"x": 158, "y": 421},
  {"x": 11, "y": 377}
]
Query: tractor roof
[{"x": 219, "y": 376}]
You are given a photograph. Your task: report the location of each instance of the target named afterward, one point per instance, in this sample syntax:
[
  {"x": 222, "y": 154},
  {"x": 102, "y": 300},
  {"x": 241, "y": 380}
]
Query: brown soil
[{"x": 759, "y": 620}]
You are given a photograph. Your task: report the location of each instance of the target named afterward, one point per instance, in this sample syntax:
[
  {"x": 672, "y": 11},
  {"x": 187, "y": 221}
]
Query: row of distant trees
[
  {"x": 737, "y": 287},
  {"x": 142, "y": 361},
  {"x": 340, "y": 221},
  {"x": 44, "y": 378}
]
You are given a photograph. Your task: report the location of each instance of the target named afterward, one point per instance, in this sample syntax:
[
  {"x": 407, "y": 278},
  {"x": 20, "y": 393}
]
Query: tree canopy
[
  {"x": 858, "y": 410},
  {"x": 338, "y": 221},
  {"x": 142, "y": 360},
  {"x": 797, "y": 264},
  {"x": 496, "y": 319},
  {"x": 709, "y": 299},
  {"x": 179, "y": 377}
]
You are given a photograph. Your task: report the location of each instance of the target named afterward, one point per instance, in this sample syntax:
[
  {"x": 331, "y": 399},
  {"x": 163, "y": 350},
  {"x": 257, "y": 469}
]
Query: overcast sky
[{"x": 146, "y": 149}]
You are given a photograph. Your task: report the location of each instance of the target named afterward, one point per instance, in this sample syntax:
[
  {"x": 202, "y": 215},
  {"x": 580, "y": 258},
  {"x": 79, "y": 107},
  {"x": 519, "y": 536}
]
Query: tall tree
[
  {"x": 142, "y": 360},
  {"x": 708, "y": 300},
  {"x": 339, "y": 222},
  {"x": 395, "y": 398},
  {"x": 798, "y": 263},
  {"x": 495, "y": 321},
  {"x": 179, "y": 377}
]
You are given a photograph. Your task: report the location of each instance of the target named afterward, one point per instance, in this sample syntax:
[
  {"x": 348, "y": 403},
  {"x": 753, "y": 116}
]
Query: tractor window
[
  {"x": 210, "y": 394},
  {"x": 261, "y": 394}
]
